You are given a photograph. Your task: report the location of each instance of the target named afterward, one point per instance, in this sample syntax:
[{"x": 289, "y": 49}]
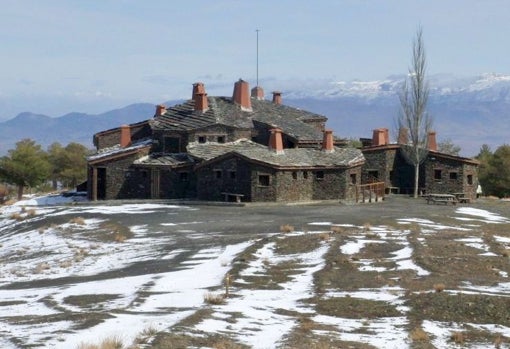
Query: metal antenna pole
[{"x": 257, "y": 30}]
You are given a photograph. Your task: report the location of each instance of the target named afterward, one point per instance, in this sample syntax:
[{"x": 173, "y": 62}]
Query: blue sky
[{"x": 93, "y": 55}]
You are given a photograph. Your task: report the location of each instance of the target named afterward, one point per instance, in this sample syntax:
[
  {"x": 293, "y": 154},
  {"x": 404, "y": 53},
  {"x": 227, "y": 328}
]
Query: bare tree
[{"x": 413, "y": 109}]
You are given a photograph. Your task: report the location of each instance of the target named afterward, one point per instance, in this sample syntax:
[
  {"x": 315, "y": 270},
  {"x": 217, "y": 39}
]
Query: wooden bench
[
  {"x": 442, "y": 198},
  {"x": 237, "y": 197}
]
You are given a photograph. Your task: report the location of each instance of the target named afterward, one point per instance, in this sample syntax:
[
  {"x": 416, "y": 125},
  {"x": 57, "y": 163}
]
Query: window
[
  {"x": 470, "y": 179},
  {"x": 294, "y": 175},
  {"x": 264, "y": 180},
  {"x": 221, "y": 139},
  {"x": 373, "y": 174},
  {"x": 305, "y": 174},
  {"x": 453, "y": 175},
  {"x": 218, "y": 174},
  {"x": 183, "y": 176},
  {"x": 437, "y": 175},
  {"x": 202, "y": 139},
  {"x": 319, "y": 175},
  {"x": 172, "y": 145},
  {"x": 353, "y": 178},
  {"x": 233, "y": 174}
]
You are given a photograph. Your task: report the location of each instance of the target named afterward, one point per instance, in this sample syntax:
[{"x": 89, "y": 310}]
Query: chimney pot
[
  {"x": 241, "y": 95},
  {"x": 160, "y": 110},
  {"x": 201, "y": 103},
  {"x": 257, "y": 92},
  {"x": 276, "y": 141},
  {"x": 198, "y": 87},
  {"x": 403, "y": 136},
  {"x": 125, "y": 136},
  {"x": 431, "y": 141},
  {"x": 327, "y": 143},
  {"x": 277, "y": 97},
  {"x": 380, "y": 137}
]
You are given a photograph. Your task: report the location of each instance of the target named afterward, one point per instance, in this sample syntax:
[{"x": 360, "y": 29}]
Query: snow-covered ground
[{"x": 65, "y": 269}]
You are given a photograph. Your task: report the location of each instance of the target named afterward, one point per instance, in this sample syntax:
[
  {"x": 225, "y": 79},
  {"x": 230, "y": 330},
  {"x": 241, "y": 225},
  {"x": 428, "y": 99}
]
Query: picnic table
[
  {"x": 441, "y": 198},
  {"x": 462, "y": 198}
]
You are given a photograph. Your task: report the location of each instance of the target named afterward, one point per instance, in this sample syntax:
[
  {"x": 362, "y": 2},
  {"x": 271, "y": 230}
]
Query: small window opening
[
  {"x": 264, "y": 180},
  {"x": 438, "y": 174},
  {"x": 183, "y": 176},
  {"x": 217, "y": 174},
  {"x": 353, "y": 178},
  {"x": 319, "y": 175},
  {"x": 221, "y": 139},
  {"x": 470, "y": 179},
  {"x": 453, "y": 175},
  {"x": 233, "y": 174},
  {"x": 305, "y": 174},
  {"x": 202, "y": 139},
  {"x": 294, "y": 175}
]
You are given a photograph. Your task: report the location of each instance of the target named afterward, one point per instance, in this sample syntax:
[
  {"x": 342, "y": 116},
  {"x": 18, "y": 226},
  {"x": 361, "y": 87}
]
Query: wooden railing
[{"x": 371, "y": 192}]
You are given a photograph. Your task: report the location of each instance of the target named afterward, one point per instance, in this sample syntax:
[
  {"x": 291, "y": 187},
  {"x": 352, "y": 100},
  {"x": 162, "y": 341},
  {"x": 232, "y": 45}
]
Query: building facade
[{"x": 220, "y": 148}]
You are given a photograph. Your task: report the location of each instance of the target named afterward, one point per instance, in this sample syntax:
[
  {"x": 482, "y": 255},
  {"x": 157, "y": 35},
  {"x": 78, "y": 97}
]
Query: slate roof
[
  {"x": 222, "y": 110},
  {"x": 117, "y": 150},
  {"x": 290, "y": 158},
  {"x": 160, "y": 159}
]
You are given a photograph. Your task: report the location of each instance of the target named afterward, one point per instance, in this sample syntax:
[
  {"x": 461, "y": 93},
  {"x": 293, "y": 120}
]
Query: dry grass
[
  {"x": 419, "y": 335},
  {"x": 324, "y": 236},
  {"x": 286, "y": 228},
  {"x": 77, "y": 221},
  {"x": 214, "y": 298},
  {"x": 439, "y": 287},
  {"x": 16, "y": 216},
  {"x": 31, "y": 213},
  {"x": 41, "y": 267},
  {"x": 119, "y": 237},
  {"x": 458, "y": 337},
  {"x": 145, "y": 336},
  {"x": 108, "y": 343},
  {"x": 337, "y": 230}
]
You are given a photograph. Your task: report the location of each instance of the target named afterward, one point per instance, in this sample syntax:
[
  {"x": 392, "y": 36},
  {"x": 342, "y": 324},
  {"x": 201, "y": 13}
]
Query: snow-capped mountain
[{"x": 470, "y": 111}]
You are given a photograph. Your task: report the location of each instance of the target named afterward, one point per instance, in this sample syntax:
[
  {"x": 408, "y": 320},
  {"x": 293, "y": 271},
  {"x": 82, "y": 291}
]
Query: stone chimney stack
[
  {"x": 276, "y": 141},
  {"x": 257, "y": 92},
  {"x": 201, "y": 104},
  {"x": 125, "y": 136},
  {"x": 160, "y": 110},
  {"x": 241, "y": 95},
  {"x": 277, "y": 97},
  {"x": 380, "y": 137},
  {"x": 198, "y": 87},
  {"x": 431, "y": 141},
  {"x": 327, "y": 143},
  {"x": 403, "y": 136}
]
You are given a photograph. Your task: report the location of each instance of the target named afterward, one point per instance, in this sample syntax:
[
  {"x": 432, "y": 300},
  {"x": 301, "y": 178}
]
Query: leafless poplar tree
[{"x": 413, "y": 109}]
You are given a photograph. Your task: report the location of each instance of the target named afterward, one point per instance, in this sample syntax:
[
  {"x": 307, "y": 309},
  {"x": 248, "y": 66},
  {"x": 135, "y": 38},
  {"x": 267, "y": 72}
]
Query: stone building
[
  {"x": 215, "y": 148},
  {"x": 439, "y": 172}
]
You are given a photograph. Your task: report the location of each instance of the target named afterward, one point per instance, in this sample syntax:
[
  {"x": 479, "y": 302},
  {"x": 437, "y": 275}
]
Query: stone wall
[
  {"x": 230, "y": 176},
  {"x": 177, "y": 184},
  {"x": 445, "y": 175}
]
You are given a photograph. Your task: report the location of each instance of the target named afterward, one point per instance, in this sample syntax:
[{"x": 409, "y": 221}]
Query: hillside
[{"x": 396, "y": 274}]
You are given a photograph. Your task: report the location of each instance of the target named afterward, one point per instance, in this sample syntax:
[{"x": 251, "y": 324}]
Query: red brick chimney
[
  {"x": 198, "y": 87},
  {"x": 257, "y": 92},
  {"x": 277, "y": 97},
  {"x": 276, "y": 141},
  {"x": 431, "y": 141},
  {"x": 403, "y": 136},
  {"x": 160, "y": 110},
  {"x": 327, "y": 142},
  {"x": 201, "y": 104},
  {"x": 380, "y": 137},
  {"x": 241, "y": 95},
  {"x": 125, "y": 136}
]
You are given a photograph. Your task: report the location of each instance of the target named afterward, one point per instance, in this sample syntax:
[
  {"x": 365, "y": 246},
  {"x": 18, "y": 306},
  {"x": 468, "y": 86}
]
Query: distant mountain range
[{"x": 468, "y": 111}]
